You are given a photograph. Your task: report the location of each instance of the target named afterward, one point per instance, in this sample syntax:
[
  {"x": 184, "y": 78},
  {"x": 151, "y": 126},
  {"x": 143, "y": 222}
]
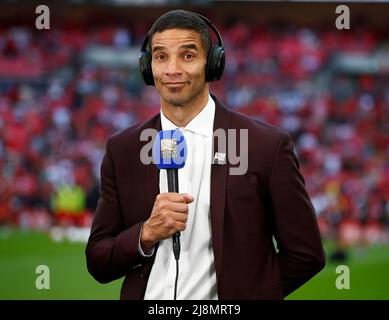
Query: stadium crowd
[{"x": 57, "y": 110}]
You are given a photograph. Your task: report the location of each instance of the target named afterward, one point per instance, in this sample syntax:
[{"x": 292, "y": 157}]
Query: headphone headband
[
  {"x": 208, "y": 23},
  {"x": 217, "y": 33}
]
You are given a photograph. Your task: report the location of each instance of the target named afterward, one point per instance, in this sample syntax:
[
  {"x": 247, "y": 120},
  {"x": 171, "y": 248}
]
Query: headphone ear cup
[
  {"x": 209, "y": 67},
  {"x": 215, "y": 63},
  {"x": 145, "y": 68}
]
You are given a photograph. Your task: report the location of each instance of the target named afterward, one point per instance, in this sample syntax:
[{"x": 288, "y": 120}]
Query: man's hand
[{"x": 169, "y": 215}]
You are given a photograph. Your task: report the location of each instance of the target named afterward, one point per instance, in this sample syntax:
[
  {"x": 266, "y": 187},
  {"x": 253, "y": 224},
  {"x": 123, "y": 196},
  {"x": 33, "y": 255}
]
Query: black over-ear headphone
[{"x": 215, "y": 58}]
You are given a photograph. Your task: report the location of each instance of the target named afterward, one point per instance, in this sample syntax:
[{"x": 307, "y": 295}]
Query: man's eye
[
  {"x": 159, "y": 57},
  {"x": 188, "y": 56}
]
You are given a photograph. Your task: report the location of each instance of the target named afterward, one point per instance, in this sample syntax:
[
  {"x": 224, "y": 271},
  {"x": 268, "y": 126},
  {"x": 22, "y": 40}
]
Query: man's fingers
[
  {"x": 179, "y": 207},
  {"x": 166, "y": 205},
  {"x": 188, "y": 198},
  {"x": 179, "y": 217},
  {"x": 177, "y": 197},
  {"x": 180, "y": 226}
]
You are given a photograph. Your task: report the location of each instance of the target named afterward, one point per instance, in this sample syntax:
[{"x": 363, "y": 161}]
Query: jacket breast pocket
[{"x": 243, "y": 186}]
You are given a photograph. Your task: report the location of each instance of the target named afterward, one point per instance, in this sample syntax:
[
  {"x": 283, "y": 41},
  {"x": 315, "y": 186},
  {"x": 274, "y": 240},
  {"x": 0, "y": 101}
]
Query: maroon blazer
[{"x": 246, "y": 212}]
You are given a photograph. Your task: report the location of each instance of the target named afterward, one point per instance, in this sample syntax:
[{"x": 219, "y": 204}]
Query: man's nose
[{"x": 172, "y": 67}]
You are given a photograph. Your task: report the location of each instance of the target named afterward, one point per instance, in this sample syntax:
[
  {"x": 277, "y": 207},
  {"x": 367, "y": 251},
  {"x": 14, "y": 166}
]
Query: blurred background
[{"x": 64, "y": 91}]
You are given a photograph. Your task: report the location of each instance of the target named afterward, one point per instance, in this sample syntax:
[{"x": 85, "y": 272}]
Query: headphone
[{"x": 215, "y": 58}]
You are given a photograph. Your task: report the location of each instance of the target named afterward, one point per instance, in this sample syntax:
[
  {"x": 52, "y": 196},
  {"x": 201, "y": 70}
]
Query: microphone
[{"x": 169, "y": 153}]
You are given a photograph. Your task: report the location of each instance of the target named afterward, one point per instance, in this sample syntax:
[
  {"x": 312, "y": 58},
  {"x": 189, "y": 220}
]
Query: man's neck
[{"x": 182, "y": 115}]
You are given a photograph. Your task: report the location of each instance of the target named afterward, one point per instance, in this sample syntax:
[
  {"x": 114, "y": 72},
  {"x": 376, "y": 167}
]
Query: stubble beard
[{"x": 180, "y": 102}]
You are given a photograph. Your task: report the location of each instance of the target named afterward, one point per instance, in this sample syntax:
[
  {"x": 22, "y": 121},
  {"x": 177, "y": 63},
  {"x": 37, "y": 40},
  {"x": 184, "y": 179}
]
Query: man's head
[
  {"x": 179, "y": 47},
  {"x": 185, "y": 20}
]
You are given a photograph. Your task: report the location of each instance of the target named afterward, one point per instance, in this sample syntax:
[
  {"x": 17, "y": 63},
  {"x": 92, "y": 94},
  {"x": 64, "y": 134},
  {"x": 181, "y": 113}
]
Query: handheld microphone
[{"x": 169, "y": 153}]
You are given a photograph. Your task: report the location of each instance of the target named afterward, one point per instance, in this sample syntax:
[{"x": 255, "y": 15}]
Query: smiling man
[
  {"x": 178, "y": 63},
  {"x": 227, "y": 222}
]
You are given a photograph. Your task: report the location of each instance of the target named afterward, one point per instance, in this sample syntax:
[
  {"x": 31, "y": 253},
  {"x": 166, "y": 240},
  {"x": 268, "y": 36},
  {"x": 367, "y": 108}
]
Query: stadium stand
[{"x": 61, "y": 96}]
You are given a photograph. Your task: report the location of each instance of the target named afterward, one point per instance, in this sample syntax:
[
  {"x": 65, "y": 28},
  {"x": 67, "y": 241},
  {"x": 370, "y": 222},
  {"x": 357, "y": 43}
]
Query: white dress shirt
[{"x": 197, "y": 278}]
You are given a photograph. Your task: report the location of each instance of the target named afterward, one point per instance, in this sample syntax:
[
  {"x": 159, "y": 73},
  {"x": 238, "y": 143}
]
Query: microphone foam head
[{"x": 169, "y": 150}]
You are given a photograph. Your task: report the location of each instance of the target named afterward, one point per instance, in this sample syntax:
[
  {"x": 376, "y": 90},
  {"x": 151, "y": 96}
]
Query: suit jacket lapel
[
  {"x": 152, "y": 172},
  {"x": 219, "y": 184}
]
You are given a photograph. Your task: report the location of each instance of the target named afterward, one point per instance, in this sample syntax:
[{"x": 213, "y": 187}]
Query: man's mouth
[{"x": 175, "y": 84}]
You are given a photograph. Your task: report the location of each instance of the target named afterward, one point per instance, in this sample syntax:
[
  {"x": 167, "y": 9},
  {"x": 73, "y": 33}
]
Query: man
[{"x": 227, "y": 222}]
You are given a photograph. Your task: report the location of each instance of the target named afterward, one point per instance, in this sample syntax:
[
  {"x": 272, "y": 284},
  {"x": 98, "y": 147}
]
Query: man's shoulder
[{"x": 256, "y": 126}]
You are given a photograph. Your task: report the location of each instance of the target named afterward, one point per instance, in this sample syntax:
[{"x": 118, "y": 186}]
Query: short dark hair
[{"x": 182, "y": 19}]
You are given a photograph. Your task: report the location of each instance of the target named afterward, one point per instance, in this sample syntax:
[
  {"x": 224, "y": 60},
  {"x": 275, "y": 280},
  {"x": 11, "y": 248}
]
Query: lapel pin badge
[{"x": 219, "y": 158}]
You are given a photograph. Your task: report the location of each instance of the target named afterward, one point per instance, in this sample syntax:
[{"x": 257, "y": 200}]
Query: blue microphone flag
[{"x": 169, "y": 149}]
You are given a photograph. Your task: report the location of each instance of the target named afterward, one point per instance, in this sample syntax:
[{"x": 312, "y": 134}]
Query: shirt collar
[{"x": 202, "y": 123}]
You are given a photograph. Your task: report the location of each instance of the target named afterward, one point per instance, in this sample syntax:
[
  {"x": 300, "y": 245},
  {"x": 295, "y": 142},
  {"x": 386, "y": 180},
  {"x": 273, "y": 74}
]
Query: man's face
[{"x": 178, "y": 63}]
